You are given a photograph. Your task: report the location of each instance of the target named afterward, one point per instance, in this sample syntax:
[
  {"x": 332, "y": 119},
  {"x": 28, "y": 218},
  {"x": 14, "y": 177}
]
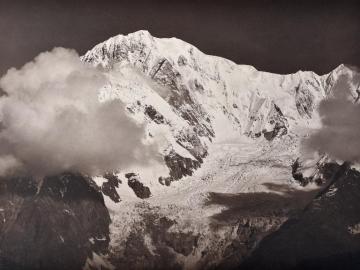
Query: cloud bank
[
  {"x": 52, "y": 121},
  {"x": 339, "y": 136}
]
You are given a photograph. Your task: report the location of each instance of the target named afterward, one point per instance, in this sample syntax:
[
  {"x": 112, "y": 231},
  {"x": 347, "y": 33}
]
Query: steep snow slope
[{"x": 225, "y": 130}]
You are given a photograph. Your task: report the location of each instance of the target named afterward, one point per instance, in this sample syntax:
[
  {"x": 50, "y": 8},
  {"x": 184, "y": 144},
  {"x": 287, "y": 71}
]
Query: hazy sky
[{"x": 270, "y": 35}]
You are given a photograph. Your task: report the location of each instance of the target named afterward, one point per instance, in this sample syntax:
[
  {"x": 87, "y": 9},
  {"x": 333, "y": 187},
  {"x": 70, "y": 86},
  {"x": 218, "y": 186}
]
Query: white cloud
[
  {"x": 339, "y": 135},
  {"x": 52, "y": 120}
]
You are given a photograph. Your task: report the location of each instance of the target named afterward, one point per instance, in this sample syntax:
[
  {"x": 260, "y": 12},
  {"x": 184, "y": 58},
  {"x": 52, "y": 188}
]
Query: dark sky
[{"x": 274, "y": 36}]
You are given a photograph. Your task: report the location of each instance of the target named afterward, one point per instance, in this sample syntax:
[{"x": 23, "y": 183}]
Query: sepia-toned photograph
[{"x": 185, "y": 135}]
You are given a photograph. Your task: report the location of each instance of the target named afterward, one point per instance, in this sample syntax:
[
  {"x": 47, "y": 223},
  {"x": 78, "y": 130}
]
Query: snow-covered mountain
[
  {"x": 230, "y": 172},
  {"x": 190, "y": 100}
]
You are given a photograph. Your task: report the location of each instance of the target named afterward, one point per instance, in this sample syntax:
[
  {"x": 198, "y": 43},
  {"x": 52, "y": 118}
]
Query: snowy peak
[
  {"x": 141, "y": 45},
  {"x": 190, "y": 99}
]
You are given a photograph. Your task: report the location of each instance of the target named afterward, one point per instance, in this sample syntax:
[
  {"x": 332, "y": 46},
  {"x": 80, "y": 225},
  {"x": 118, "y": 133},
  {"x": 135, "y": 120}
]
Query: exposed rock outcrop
[
  {"x": 319, "y": 237},
  {"x": 143, "y": 192},
  {"x": 55, "y": 227},
  {"x": 109, "y": 187}
]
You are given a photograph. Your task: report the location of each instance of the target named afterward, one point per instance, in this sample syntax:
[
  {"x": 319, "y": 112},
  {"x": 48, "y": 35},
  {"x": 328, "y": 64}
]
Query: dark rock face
[
  {"x": 180, "y": 166},
  {"x": 154, "y": 115},
  {"x": 298, "y": 176},
  {"x": 183, "y": 243},
  {"x": 50, "y": 228},
  {"x": 304, "y": 100},
  {"x": 279, "y": 123},
  {"x": 250, "y": 231},
  {"x": 143, "y": 192},
  {"x": 323, "y": 236},
  {"x": 151, "y": 245},
  {"x": 165, "y": 180},
  {"x": 324, "y": 171},
  {"x": 109, "y": 188},
  {"x": 195, "y": 148},
  {"x": 254, "y": 216},
  {"x": 164, "y": 73}
]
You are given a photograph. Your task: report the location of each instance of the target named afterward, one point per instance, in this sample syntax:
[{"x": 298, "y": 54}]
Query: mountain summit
[{"x": 193, "y": 99}]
